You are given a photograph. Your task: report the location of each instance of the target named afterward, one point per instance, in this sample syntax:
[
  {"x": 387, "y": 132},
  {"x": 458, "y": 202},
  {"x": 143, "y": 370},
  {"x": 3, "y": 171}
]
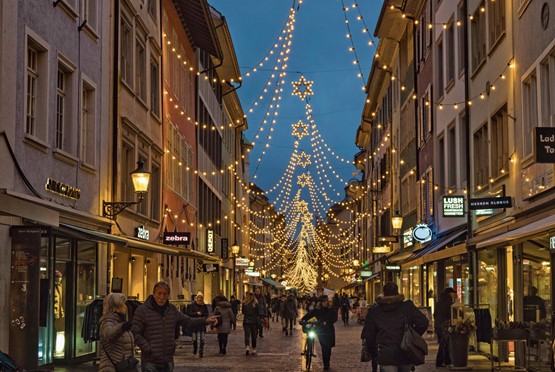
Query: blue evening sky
[{"x": 320, "y": 51}]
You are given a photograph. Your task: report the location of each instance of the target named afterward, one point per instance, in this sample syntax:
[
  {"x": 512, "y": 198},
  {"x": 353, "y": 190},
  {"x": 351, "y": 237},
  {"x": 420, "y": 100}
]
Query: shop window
[
  {"x": 85, "y": 291},
  {"x": 487, "y": 286}
]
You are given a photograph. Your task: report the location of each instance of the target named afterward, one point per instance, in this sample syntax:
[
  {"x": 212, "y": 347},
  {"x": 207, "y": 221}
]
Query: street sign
[
  {"x": 490, "y": 203},
  {"x": 544, "y": 149}
]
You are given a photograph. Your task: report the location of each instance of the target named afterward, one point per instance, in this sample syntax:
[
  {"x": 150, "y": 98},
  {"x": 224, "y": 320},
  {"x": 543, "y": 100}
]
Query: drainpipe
[{"x": 115, "y": 106}]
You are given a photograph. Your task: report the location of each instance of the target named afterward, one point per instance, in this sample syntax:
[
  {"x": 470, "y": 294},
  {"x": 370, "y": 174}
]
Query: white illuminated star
[
  {"x": 300, "y": 129},
  {"x": 302, "y": 88}
]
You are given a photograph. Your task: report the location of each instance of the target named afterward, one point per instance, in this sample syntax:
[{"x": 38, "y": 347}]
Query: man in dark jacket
[
  {"x": 442, "y": 316},
  {"x": 326, "y": 315},
  {"x": 154, "y": 325},
  {"x": 370, "y": 346},
  {"x": 345, "y": 306},
  {"x": 386, "y": 327}
]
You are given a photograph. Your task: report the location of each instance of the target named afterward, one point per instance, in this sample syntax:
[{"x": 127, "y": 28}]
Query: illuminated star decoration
[
  {"x": 300, "y": 129},
  {"x": 304, "y": 160},
  {"x": 302, "y": 88},
  {"x": 302, "y": 207},
  {"x": 303, "y": 180}
]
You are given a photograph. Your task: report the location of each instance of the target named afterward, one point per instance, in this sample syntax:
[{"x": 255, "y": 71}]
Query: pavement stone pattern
[{"x": 277, "y": 352}]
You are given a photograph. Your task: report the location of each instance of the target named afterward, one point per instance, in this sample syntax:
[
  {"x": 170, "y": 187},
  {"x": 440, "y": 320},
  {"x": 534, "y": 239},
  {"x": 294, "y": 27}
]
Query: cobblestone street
[{"x": 277, "y": 352}]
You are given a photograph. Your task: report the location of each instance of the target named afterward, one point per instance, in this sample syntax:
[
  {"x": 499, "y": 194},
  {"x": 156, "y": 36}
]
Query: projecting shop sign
[
  {"x": 490, "y": 203},
  {"x": 210, "y": 241},
  {"x": 545, "y": 145},
  {"x": 177, "y": 238},
  {"x": 453, "y": 206}
]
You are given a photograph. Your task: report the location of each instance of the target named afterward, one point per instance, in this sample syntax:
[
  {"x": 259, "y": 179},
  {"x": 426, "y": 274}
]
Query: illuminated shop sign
[
  {"x": 422, "y": 233},
  {"x": 210, "y": 241},
  {"x": 62, "y": 189},
  {"x": 407, "y": 238},
  {"x": 453, "y": 206},
  {"x": 142, "y": 232},
  {"x": 552, "y": 242},
  {"x": 491, "y": 203},
  {"x": 177, "y": 238}
]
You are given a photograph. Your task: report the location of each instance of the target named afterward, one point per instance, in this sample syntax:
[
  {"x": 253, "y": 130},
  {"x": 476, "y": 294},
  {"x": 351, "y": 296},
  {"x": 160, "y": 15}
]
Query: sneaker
[
  {"x": 253, "y": 351},
  {"x": 247, "y": 351}
]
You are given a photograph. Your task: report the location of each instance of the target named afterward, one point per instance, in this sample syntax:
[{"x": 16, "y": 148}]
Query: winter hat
[
  {"x": 390, "y": 289},
  {"x": 200, "y": 294}
]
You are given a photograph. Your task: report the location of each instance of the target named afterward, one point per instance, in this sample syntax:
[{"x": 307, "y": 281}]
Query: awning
[
  {"x": 13, "y": 206},
  {"x": 87, "y": 234},
  {"x": 351, "y": 285},
  {"x": 516, "y": 234},
  {"x": 421, "y": 256},
  {"x": 254, "y": 284},
  {"x": 273, "y": 283}
]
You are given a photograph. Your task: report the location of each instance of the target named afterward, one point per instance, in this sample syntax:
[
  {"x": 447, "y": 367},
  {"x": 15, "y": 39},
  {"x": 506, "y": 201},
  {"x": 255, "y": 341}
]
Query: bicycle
[{"x": 310, "y": 329}]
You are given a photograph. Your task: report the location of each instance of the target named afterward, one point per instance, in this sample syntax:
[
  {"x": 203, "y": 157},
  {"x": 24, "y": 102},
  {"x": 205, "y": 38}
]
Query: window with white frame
[
  {"x": 179, "y": 166},
  {"x": 126, "y": 51},
  {"x": 460, "y": 36},
  {"x": 140, "y": 69},
  {"x": 64, "y": 136},
  {"x": 90, "y": 15},
  {"x": 440, "y": 69},
  {"x": 496, "y": 21},
  {"x": 450, "y": 52},
  {"x": 155, "y": 192},
  {"x": 408, "y": 192},
  {"x": 88, "y": 124},
  {"x": 425, "y": 117},
  {"x": 481, "y": 156},
  {"x": 166, "y": 48},
  {"x": 36, "y": 90},
  {"x": 478, "y": 38},
  {"x": 529, "y": 111},
  {"x": 154, "y": 87},
  {"x": 499, "y": 143},
  {"x": 547, "y": 90},
  {"x": 452, "y": 157},
  {"x": 463, "y": 146}
]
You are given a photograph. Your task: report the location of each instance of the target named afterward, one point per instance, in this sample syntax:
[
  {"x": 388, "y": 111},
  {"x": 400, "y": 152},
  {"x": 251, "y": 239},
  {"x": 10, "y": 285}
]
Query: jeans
[
  {"x": 443, "y": 356},
  {"x": 289, "y": 324},
  {"x": 405, "y": 368},
  {"x": 196, "y": 335},
  {"x": 251, "y": 332},
  {"x": 155, "y": 367}
]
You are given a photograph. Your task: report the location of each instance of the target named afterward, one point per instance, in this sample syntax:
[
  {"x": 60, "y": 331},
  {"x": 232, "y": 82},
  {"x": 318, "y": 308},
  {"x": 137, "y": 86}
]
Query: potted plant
[
  {"x": 459, "y": 333},
  {"x": 505, "y": 330}
]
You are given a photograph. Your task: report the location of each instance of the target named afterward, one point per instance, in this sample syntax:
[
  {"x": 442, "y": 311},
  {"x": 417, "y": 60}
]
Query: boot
[
  {"x": 201, "y": 349},
  {"x": 195, "y": 347},
  {"x": 223, "y": 348}
]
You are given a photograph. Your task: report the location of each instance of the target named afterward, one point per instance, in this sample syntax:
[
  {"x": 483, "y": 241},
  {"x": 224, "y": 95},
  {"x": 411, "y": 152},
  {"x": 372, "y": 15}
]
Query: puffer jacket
[
  {"x": 250, "y": 314},
  {"x": 155, "y": 333},
  {"x": 227, "y": 316},
  {"x": 114, "y": 341},
  {"x": 193, "y": 311},
  {"x": 386, "y": 326}
]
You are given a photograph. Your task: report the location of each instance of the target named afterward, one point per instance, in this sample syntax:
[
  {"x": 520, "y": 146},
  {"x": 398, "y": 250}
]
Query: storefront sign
[
  {"x": 407, "y": 238},
  {"x": 142, "y": 233},
  {"x": 545, "y": 145},
  {"x": 240, "y": 261},
  {"x": 381, "y": 249},
  {"x": 491, "y": 203},
  {"x": 253, "y": 273},
  {"x": 210, "y": 241},
  {"x": 422, "y": 233},
  {"x": 225, "y": 249},
  {"x": 392, "y": 267},
  {"x": 552, "y": 242},
  {"x": 177, "y": 238},
  {"x": 365, "y": 274},
  {"x": 388, "y": 239},
  {"x": 453, "y": 206},
  {"x": 62, "y": 189},
  {"x": 210, "y": 268}
]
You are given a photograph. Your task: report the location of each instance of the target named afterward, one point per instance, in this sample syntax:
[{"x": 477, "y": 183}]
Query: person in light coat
[{"x": 116, "y": 340}]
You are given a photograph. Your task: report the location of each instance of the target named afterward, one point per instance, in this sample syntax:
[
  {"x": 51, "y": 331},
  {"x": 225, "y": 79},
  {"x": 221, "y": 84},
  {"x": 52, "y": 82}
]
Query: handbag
[
  {"x": 365, "y": 354},
  {"x": 128, "y": 364},
  {"x": 413, "y": 345}
]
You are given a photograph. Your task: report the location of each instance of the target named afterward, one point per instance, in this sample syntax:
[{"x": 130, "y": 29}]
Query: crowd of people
[{"x": 157, "y": 323}]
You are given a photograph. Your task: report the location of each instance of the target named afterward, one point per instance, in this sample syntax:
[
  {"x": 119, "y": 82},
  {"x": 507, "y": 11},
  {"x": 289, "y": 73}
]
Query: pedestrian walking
[
  {"x": 154, "y": 325},
  {"x": 442, "y": 317},
  {"x": 345, "y": 306},
  {"x": 290, "y": 313},
  {"x": 386, "y": 327},
  {"x": 262, "y": 311},
  {"x": 282, "y": 301},
  {"x": 235, "y": 308},
  {"x": 219, "y": 297},
  {"x": 370, "y": 346},
  {"x": 225, "y": 320},
  {"x": 250, "y": 321},
  {"x": 116, "y": 340},
  {"x": 274, "y": 305},
  {"x": 198, "y": 309},
  {"x": 326, "y": 316}
]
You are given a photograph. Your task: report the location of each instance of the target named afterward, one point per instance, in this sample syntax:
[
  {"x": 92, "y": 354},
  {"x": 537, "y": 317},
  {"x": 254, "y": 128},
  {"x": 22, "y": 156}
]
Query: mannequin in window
[{"x": 58, "y": 307}]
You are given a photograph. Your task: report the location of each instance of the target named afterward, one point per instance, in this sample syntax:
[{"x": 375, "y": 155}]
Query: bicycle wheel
[{"x": 309, "y": 352}]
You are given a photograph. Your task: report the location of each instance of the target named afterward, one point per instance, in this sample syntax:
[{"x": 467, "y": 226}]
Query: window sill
[
  {"x": 68, "y": 9},
  {"x": 91, "y": 32},
  {"x": 528, "y": 161},
  {"x": 156, "y": 116},
  {"x": 450, "y": 84},
  {"x": 88, "y": 167},
  {"x": 65, "y": 157},
  {"x": 36, "y": 143}
]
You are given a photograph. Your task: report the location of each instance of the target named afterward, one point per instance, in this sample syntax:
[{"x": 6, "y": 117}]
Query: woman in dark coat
[
  {"x": 386, "y": 327},
  {"x": 250, "y": 321},
  {"x": 326, "y": 315},
  {"x": 442, "y": 316},
  {"x": 198, "y": 309},
  {"x": 227, "y": 318}
]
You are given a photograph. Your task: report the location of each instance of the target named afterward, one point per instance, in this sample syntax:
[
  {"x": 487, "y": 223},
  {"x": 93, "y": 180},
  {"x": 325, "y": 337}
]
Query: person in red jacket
[{"x": 154, "y": 325}]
